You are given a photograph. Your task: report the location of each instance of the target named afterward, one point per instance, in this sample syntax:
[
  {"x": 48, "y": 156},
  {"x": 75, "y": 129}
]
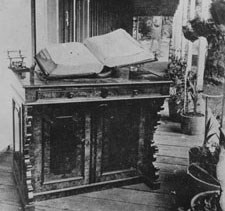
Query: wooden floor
[{"x": 174, "y": 194}]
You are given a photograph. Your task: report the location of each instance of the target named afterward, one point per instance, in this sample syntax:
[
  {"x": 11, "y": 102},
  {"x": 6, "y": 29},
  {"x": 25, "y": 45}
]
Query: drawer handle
[
  {"x": 104, "y": 93},
  {"x": 70, "y": 94},
  {"x": 134, "y": 92}
]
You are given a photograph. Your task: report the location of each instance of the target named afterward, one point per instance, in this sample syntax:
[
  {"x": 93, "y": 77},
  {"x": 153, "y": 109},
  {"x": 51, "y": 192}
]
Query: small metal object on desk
[{"x": 17, "y": 64}]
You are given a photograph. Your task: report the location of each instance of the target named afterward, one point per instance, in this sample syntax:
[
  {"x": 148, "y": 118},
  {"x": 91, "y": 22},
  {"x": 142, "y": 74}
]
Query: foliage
[
  {"x": 218, "y": 11},
  {"x": 215, "y": 62},
  {"x": 215, "y": 59},
  {"x": 207, "y": 160},
  {"x": 209, "y": 202},
  {"x": 208, "y": 153},
  {"x": 212, "y": 134},
  {"x": 144, "y": 28},
  {"x": 192, "y": 92},
  {"x": 176, "y": 71}
]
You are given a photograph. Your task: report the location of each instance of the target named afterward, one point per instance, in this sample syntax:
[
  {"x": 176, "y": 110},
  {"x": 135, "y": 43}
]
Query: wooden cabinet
[{"x": 82, "y": 137}]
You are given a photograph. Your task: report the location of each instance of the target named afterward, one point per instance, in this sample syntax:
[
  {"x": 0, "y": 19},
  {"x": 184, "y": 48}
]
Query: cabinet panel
[
  {"x": 65, "y": 147},
  {"x": 119, "y": 149},
  {"x": 116, "y": 141},
  {"x": 66, "y": 154}
]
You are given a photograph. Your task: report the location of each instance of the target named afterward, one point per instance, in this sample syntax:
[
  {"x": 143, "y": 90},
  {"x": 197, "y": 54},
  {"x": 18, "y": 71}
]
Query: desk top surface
[{"x": 153, "y": 75}]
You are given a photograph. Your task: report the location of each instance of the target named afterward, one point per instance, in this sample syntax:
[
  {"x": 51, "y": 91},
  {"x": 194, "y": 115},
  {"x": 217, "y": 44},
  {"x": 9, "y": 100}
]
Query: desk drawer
[{"x": 101, "y": 92}]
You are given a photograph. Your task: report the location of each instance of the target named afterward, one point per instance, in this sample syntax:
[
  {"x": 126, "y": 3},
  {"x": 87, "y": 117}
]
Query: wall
[{"x": 15, "y": 34}]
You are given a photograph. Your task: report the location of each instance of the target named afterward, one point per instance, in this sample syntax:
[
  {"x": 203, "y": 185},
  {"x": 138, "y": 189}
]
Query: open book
[{"x": 114, "y": 49}]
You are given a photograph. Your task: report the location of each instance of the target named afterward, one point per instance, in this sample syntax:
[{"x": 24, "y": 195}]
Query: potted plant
[
  {"x": 213, "y": 200},
  {"x": 176, "y": 69},
  {"x": 203, "y": 159},
  {"x": 210, "y": 144},
  {"x": 192, "y": 119},
  {"x": 206, "y": 201}
]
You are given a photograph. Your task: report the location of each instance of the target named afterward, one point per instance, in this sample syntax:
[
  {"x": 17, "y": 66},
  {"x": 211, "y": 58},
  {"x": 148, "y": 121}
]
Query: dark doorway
[{"x": 66, "y": 21}]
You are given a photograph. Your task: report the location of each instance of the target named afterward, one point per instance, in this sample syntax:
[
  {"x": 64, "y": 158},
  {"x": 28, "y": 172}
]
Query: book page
[{"x": 117, "y": 48}]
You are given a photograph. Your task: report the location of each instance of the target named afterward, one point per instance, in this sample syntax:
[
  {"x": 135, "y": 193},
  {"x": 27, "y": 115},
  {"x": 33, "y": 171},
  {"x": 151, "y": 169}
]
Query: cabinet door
[
  {"x": 116, "y": 142},
  {"x": 66, "y": 148}
]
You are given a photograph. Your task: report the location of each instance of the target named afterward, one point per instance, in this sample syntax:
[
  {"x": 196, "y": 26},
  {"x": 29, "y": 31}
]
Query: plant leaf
[{"x": 211, "y": 135}]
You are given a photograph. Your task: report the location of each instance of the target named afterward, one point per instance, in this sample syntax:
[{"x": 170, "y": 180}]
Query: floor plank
[
  {"x": 170, "y": 183},
  {"x": 177, "y": 140},
  {"x": 9, "y": 193},
  {"x": 6, "y": 178},
  {"x": 131, "y": 196},
  {"x": 172, "y": 160},
  {"x": 81, "y": 203},
  {"x": 171, "y": 168},
  {"x": 6, "y": 207},
  {"x": 173, "y": 151}
]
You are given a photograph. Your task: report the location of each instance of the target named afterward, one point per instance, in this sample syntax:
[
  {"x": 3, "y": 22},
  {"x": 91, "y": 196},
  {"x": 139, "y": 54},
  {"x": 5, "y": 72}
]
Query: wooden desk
[{"x": 77, "y": 136}]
